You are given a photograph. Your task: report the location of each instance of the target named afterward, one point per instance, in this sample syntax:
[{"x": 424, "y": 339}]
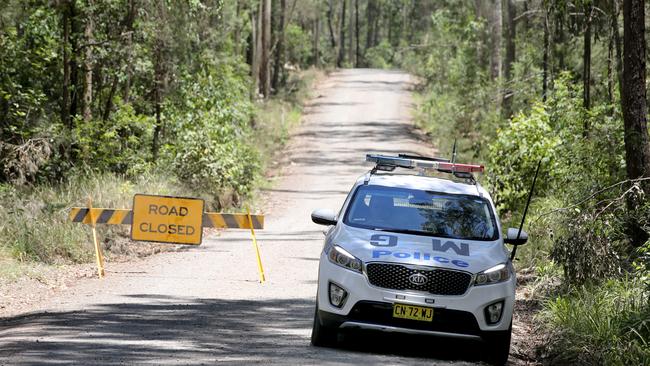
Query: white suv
[{"x": 417, "y": 254}]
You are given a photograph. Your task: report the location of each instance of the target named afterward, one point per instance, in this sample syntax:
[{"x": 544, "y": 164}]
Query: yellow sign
[{"x": 167, "y": 219}]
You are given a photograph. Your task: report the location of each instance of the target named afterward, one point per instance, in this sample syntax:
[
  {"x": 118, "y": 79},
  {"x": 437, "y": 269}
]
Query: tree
[
  {"x": 330, "y": 20},
  {"x": 546, "y": 56},
  {"x": 254, "y": 48},
  {"x": 356, "y": 33},
  {"x": 265, "y": 61},
  {"x": 510, "y": 56},
  {"x": 634, "y": 104},
  {"x": 88, "y": 64},
  {"x": 496, "y": 39},
  {"x": 278, "y": 65},
  {"x": 160, "y": 77},
  {"x": 341, "y": 54},
  {"x": 371, "y": 31},
  {"x": 351, "y": 35},
  {"x": 586, "y": 60},
  {"x": 316, "y": 46}
]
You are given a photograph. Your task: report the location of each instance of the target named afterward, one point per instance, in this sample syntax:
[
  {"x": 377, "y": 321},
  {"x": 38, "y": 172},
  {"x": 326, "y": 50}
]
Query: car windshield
[{"x": 422, "y": 213}]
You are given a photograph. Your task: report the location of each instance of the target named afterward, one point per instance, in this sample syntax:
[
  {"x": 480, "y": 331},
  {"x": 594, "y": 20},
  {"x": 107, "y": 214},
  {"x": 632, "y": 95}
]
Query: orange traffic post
[
  {"x": 98, "y": 249},
  {"x": 257, "y": 248}
]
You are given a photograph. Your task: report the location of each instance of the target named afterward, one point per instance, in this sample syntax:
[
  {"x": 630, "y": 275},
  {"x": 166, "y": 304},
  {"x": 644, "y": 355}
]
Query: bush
[
  {"x": 554, "y": 132},
  {"x": 212, "y": 151},
  {"x": 117, "y": 145},
  {"x": 515, "y": 153},
  {"x": 600, "y": 325},
  {"x": 589, "y": 248},
  {"x": 298, "y": 46},
  {"x": 380, "y": 56}
]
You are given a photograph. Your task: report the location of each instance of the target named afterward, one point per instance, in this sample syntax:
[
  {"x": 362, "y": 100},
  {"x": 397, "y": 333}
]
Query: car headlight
[
  {"x": 341, "y": 257},
  {"x": 499, "y": 273}
]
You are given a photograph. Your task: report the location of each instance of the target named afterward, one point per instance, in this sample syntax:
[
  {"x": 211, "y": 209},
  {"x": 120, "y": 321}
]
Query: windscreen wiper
[{"x": 407, "y": 231}]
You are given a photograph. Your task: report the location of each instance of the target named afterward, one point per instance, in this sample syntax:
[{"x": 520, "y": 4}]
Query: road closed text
[{"x": 167, "y": 219}]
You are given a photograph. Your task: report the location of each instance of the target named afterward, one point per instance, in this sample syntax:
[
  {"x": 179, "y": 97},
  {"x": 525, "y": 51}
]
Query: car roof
[{"x": 425, "y": 183}]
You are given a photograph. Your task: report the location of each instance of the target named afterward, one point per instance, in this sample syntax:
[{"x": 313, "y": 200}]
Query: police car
[{"x": 417, "y": 254}]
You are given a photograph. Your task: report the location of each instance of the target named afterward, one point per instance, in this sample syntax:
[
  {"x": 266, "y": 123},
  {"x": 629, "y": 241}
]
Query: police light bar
[{"x": 424, "y": 163}]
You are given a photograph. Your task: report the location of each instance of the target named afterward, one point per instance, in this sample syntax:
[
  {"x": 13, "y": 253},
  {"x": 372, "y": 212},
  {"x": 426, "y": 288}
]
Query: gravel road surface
[{"x": 204, "y": 305}]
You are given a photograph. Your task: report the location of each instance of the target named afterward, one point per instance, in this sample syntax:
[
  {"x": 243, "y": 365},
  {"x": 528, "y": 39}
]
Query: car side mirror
[
  {"x": 323, "y": 216},
  {"x": 511, "y": 237}
]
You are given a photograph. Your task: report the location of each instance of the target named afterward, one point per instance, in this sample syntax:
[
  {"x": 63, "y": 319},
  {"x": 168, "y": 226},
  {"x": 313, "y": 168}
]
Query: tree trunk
[
  {"x": 109, "y": 100},
  {"x": 88, "y": 65},
  {"x": 130, "y": 19},
  {"x": 265, "y": 64},
  {"x": 317, "y": 41},
  {"x": 356, "y": 33},
  {"x": 376, "y": 29},
  {"x": 237, "y": 31},
  {"x": 255, "y": 51},
  {"x": 341, "y": 56},
  {"x": 330, "y": 15},
  {"x": 546, "y": 57},
  {"x": 525, "y": 18},
  {"x": 633, "y": 103},
  {"x": 278, "y": 66},
  {"x": 480, "y": 45},
  {"x": 370, "y": 24},
  {"x": 65, "y": 101},
  {"x": 610, "y": 69},
  {"x": 496, "y": 38},
  {"x": 618, "y": 46},
  {"x": 74, "y": 66},
  {"x": 351, "y": 35},
  {"x": 160, "y": 70},
  {"x": 586, "y": 66},
  {"x": 510, "y": 57}
]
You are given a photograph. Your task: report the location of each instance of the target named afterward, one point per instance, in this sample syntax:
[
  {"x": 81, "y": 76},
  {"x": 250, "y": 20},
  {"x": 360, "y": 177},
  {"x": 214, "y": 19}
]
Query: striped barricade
[{"x": 111, "y": 216}]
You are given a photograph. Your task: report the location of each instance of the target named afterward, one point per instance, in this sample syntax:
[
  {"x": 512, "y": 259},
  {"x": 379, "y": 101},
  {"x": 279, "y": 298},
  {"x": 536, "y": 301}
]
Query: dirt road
[{"x": 204, "y": 305}]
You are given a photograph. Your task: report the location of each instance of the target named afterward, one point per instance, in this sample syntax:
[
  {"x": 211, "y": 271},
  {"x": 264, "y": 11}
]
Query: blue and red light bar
[{"x": 411, "y": 162}]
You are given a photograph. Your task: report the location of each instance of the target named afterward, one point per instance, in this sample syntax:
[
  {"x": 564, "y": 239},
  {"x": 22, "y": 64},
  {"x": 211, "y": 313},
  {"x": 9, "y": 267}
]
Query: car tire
[
  {"x": 497, "y": 346},
  {"x": 321, "y": 335}
]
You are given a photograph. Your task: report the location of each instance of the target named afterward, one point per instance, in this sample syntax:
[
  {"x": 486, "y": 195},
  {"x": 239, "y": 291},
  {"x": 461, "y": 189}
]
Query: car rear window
[{"x": 422, "y": 213}]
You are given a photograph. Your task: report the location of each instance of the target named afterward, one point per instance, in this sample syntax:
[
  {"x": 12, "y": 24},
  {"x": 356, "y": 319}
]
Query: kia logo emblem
[{"x": 418, "y": 279}]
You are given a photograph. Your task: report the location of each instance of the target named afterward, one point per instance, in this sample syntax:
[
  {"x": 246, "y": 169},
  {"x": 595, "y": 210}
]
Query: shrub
[
  {"x": 380, "y": 56},
  {"x": 298, "y": 46},
  {"x": 212, "y": 149},
  {"x": 116, "y": 145},
  {"x": 514, "y": 155},
  {"x": 600, "y": 325}
]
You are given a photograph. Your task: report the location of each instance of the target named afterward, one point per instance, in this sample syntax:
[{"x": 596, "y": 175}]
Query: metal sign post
[{"x": 99, "y": 257}]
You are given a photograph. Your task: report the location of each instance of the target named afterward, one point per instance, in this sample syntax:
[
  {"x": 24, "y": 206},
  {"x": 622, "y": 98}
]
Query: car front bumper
[{"x": 369, "y": 307}]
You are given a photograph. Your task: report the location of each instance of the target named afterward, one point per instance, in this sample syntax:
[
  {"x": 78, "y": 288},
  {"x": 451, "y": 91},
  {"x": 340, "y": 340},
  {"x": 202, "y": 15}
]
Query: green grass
[
  {"x": 34, "y": 225},
  {"x": 607, "y": 324}
]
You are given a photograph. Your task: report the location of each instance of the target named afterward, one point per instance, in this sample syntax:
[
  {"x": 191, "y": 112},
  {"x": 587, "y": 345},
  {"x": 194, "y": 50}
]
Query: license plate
[{"x": 412, "y": 312}]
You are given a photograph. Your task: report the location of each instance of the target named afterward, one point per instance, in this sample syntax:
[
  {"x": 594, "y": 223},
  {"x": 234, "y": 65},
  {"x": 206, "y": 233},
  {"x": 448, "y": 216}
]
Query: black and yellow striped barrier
[
  {"x": 165, "y": 219},
  {"x": 111, "y": 216}
]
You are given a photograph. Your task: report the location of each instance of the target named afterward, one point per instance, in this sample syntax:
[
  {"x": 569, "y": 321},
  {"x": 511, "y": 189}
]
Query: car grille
[{"x": 439, "y": 281}]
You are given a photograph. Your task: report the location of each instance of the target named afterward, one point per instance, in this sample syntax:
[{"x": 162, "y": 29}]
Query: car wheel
[
  {"x": 322, "y": 336},
  {"x": 497, "y": 346}
]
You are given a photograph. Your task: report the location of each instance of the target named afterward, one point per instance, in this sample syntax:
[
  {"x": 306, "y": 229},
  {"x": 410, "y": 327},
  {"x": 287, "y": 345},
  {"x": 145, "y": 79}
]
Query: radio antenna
[
  {"x": 453, "y": 152},
  {"x": 523, "y": 218}
]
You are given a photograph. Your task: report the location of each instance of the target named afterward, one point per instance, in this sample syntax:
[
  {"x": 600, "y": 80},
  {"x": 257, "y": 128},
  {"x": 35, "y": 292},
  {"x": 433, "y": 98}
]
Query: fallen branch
[{"x": 590, "y": 197}]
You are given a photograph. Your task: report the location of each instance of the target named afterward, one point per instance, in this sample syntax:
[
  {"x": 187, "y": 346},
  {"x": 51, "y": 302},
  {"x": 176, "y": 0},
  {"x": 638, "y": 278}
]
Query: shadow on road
[{"x": 185, "y": 330}]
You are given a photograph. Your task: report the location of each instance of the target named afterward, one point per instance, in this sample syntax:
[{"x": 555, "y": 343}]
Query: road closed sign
[{"x": 167, "y": 219}]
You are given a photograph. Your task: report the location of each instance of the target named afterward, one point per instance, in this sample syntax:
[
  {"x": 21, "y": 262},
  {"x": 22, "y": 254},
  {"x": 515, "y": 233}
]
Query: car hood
[{"x": 383, "y": 246}]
